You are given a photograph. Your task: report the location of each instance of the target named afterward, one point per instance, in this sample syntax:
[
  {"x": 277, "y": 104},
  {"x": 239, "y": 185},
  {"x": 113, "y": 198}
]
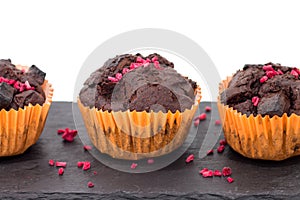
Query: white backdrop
[{"x": 57, "y": 35}]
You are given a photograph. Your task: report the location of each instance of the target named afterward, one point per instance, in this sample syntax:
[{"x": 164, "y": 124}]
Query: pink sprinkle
[
  {"x": 271, "y": 74},
  {"x": 61, "y": 171},
  {"x": 61, "y": 164},
  {"x": 221, "y": 148},
  {"x": 223, "y": 142},
  {"x": 230, "y": 180},
  {"x": 255, "y": 100},
  {"x": 87, "y": 147},
  {"x": 60, "y": 131},
  {"x": 196, "y": 122},
  {"x": 51, "y": 162},
  {"x": 69, "y": 135},
  {"x": 150, "y": 161},
  {"x": 263, "y": 79},
  {"x": 203, "y": 170},
  {"x": 190, "y": 158},
  {"x": 133, "y": 165},
  {"x": 208, "y": 173},
  {"x": 279, "y": 72},
  {"x": 155, "y": 58},
  {"x": 210, "y": 152},
  {"x": 202, "y": 116},
  {"x": 217, "y": 122},
  {"x": 294, "y": 73},
  {"x": 139, "y": 59},
  {"x": 125, "y": 70},
  {"x": 297, "y": 70},
  {"x": 156, "y": 64},
  {"x": 90, "y": 184},
  {"x": 86, "y": 166},
  {"x": 80, "y": 164},
  {"x": 217, "y": 173},
  {"x": 119, "y": 76},
  {"x": 10, "y": 82},
  {"x": 112, "y": 79},
  {"x": 226, "y": 171},
  {"x": 268, "y": 68},
  {"x": 95, "y": 173},
  {"x": 207, "y": 109}
]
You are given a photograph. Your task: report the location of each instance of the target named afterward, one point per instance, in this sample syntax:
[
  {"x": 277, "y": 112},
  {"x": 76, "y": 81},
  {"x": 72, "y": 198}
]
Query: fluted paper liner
[
  {"x": 266, "y": 138},
  {"x": 21, "y": 129},
  {"x": 135, "y": 135}
]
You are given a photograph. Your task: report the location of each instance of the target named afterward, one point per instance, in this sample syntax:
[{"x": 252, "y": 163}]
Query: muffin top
[
  {"x": 19, "y": 88},
  {"x": 269, "y": 89},
  {"x": 133, "y": 82}
]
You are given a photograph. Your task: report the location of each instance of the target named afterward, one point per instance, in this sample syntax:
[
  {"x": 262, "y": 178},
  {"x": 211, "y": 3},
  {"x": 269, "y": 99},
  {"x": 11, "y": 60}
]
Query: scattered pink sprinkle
[
  {"x": 60, "y": 131},
  {"x": 203, "y": 170},
  {"x": 196, "y": 122},
  {"x": 230, "y": 180},
  {"x": 217, "y": 122},
  {"x": 112, "y": 79},
  {"x": 221, "y": 148},
  {"x": 80, "y": 164},
  {"x": 51, "y": 162},
  {"x": 68, "y": 135},
  {"x": 255, "y": 100},
  {"x": 118, "y": 76},
  {"x": 217, "y": 173},
  {"x": 139, "y": 59},
  {"x": 125, "y": 70},
  {"x": 156, "y": 64},
  {"x": 190, "y": 158},
  {"x": 223, "y": 142},
  {"x": 90, "y": 184},
  {"x": 202, "y": 116},
  {"x": 154, "y": 59},
  {"x": 87, "y": 147},
  {"x": 17, "y": 85},
  {"x": 294, "y": 73},
  {"x": 263, "y": 79},
  {"x": 86, "y": 166},
  {"x": 268, "y": 68},
  {"x": 207, "y": 109},
  {"x": 279, "y": 72},
  {"x": 95, "y": 173},
  {"x": 150, "y": 161},
  {"x": 226, "y": 171},
  {"x": 133, "y": 165},
  {"x": 60, "y": 164},
  {"x": 297, "y": 70},
  {"x": 61, "y": 171},
  {"x": 271, "y": 74},
  {"x": 210, "y": 152},
  {"x": 208, "y": 173}
]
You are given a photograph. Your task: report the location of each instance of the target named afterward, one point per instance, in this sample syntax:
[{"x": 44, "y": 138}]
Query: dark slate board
[{"x": 29, "y": 176}]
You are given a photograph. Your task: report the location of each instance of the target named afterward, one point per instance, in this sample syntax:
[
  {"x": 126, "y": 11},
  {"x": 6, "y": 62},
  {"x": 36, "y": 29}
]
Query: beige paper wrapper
[
  {"x": 21, "y": 129},
  {"x": 258, "y": 137},
  {"x": 136, "y": 135}
]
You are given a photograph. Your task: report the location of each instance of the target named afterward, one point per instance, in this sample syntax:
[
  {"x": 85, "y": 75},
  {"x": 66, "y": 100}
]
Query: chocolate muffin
[
  {"x": 25, "y": 99},
  {"x": 269, "y": 89},
  {"x": 141, "y": 102},
  {"x": 19, "y": 88},
  {"x": 260, "y": 110},
  {"x": 141, "y": 88}
]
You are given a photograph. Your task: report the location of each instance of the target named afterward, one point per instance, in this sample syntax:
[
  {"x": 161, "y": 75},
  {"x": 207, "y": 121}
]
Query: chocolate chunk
[
  {"x": 28, "y": 97},
  {"x": 246, "y": 106},
  {"x": 274, "y": 104},
  {"x": 36, "y": 75},
  {"x": 6, "y": 95}
]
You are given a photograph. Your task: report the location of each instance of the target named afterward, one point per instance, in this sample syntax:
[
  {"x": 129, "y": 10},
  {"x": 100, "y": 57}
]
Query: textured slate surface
[{"x": 29, "y": 175}]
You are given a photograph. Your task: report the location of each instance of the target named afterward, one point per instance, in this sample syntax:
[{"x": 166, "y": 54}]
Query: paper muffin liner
[
  {"x": 266, "y": 138},
  {"x": 20, "y": 129},
  {"x": 135, "y": 135}
]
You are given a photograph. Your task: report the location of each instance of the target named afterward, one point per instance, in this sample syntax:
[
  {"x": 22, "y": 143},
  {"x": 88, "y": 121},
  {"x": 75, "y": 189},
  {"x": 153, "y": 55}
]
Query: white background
[{"x": 58, "y": 35}]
